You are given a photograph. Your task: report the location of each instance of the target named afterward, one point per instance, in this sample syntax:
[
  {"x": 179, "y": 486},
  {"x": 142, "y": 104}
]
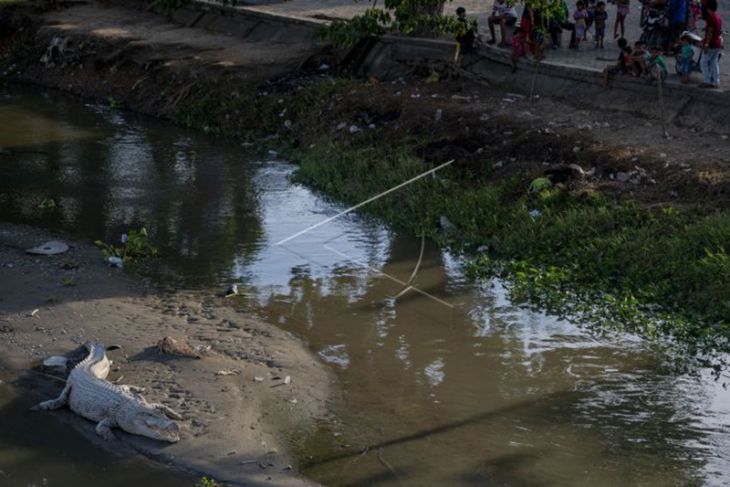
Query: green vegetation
[
  {"x": 423, "y": 18},
  {"x": 207, "y": 482},
  {"x": 135, "y": 245},
  {"x": 610, "y": 264}
]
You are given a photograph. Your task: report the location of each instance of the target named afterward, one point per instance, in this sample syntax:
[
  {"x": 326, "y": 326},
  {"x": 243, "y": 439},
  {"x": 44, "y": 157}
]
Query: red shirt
[{"x": 715, "y": 22}]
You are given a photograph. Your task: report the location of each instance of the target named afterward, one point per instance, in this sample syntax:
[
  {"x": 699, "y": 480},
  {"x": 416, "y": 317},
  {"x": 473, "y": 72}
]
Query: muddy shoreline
[{"x": 237, "y": 423}]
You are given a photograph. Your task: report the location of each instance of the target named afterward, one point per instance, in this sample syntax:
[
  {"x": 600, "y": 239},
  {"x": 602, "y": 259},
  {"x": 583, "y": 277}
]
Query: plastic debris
[
  {"x": 535, "y": 213},
  {"x": 228, "y": 372},
  {"x": 52, "y": 247},
  {"x": 114, "y": 261},
  {"x": 540, "y": 184}
]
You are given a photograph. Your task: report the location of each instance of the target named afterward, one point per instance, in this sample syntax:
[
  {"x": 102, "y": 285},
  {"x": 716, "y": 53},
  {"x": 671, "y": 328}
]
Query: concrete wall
[
  {"x": 391, "y": 57},
  {"x": 244, "y": 24}
]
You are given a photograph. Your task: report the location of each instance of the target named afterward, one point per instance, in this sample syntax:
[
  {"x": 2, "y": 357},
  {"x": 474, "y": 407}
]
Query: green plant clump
[
  {"x": 207, "y": 482},
  {"x": 135, "y": 245}
]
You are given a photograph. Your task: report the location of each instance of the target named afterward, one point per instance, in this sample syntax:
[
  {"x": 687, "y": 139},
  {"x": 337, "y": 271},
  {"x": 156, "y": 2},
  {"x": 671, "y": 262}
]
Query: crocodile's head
[{"x": 149, "y": 422}]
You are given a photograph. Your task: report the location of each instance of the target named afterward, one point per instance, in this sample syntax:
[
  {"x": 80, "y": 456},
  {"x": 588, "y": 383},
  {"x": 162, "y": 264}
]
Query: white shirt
[{"x": 500, "y": 9}]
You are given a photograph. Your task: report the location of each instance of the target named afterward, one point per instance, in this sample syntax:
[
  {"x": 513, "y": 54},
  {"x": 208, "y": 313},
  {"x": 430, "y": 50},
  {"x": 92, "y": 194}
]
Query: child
[
  {"x": 622, "y": 11},
  {"x": 591, "y": 9},
  {"x": 580, "y": 16},
  {"x": 599, "y": 20},
  {"x": 623, "y": 63},
  {"x": 656, "y": 68},
  {"x": 638, "y": 59},
  {"x": 686, "y": 58},
  {"x": 468, "y": 36},
  {"x": 519, "y": 46}
]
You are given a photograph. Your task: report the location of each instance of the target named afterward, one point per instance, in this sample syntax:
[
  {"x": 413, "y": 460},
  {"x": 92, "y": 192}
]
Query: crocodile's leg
[
  {"x": 132, "y": 389},
  {"x": 104, "y": 429},
  {"x": 57, "y": 403},
  {"x": 168, "y": 412}
]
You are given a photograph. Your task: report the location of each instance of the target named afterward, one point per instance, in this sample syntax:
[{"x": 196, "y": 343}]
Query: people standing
[
  {"x": 599, "y": 20},
  {"x": 580, "y": 16},
  {"x": 622, "y": 11},
  {"x": 469, "y": 34},
  {"x": 677, "y": 20},
  {"x": 711, "y": 46}
]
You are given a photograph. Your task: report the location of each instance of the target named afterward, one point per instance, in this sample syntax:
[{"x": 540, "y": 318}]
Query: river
[{"x": 443, "y": 380}]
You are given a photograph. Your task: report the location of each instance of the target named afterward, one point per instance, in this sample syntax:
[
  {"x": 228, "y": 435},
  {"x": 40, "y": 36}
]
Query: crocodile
[{"x": 90, "y": 395}]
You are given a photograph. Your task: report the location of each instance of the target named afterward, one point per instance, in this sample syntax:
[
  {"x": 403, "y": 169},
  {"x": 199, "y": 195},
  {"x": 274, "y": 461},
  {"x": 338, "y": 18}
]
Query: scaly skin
[{"x": 89, "y": 395}]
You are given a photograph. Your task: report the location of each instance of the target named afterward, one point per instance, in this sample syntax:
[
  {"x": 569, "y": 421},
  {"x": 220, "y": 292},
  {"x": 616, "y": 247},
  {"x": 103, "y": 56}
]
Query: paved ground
[{"x": 586, "y": 56}]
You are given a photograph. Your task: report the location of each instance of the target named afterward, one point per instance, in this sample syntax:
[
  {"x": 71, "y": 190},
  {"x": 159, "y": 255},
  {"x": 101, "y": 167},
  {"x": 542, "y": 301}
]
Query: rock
[
  {"x": 623, "y": 176},
  {"x": 561, "y": 173},
  {"x": 341, "y": 126},
  {"x": 258, "y": 379},
  {"x": 354, "y": 129},
  {"x": 52, "y": 247},
  {"x": 170, "y": 346},
  {"x": 287, "y": 380}
]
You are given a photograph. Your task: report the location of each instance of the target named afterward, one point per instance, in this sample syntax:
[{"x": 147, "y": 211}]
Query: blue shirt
[{"x": 677, "y": 11}]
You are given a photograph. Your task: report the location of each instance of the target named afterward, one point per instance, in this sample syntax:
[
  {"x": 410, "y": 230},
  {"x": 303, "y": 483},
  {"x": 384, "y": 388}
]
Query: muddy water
[{"x": 444, "y": 381}]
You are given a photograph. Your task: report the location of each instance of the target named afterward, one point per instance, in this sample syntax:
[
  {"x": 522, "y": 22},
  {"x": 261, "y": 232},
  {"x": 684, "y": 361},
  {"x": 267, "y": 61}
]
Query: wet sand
[{"x": 236, "y": 427}]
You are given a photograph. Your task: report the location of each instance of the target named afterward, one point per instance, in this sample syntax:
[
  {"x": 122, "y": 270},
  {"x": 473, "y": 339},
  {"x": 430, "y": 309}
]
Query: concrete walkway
[{"x": 587, "y": 56}]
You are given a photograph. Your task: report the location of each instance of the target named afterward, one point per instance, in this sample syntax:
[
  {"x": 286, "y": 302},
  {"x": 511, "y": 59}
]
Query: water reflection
[{"x": 461, "y": 388}]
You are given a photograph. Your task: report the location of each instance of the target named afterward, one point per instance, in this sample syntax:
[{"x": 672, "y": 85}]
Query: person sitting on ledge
[{"x": 505, "y": 15}]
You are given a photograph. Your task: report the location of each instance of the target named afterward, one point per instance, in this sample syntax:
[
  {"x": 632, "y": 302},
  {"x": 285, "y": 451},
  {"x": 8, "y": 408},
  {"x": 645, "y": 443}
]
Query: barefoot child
[
  {"x": 656, "y": 68},
  {"x": 685, "y": 57},
  {"x": 599, "y": 19},
  {"x": 581, "y": 21},
  {"x": 622, "y": 11}
]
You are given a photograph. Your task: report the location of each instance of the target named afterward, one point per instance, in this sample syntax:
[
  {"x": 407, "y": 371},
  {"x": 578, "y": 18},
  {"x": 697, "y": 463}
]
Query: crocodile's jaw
[{"x": 150, "y": 423}]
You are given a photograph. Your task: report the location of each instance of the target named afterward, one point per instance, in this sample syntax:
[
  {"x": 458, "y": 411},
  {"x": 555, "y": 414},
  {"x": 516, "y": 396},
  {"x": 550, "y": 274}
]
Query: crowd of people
[{"x": 690, "y": 31}]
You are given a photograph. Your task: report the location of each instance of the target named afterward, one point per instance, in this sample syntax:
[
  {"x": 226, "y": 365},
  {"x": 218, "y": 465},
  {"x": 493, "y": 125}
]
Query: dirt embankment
[
  {"x": 240, "y": 410},
  {"x": 244, "y": 87}
]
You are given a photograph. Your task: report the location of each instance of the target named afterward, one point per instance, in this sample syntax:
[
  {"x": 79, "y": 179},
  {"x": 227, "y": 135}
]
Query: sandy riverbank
[{"x": 236, "y": 427}]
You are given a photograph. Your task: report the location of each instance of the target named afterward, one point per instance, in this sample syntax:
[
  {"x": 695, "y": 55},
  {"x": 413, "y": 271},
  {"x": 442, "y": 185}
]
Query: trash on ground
[
  {"x": 52, "y": 247},
  {"x": 228, "y": 372}
]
